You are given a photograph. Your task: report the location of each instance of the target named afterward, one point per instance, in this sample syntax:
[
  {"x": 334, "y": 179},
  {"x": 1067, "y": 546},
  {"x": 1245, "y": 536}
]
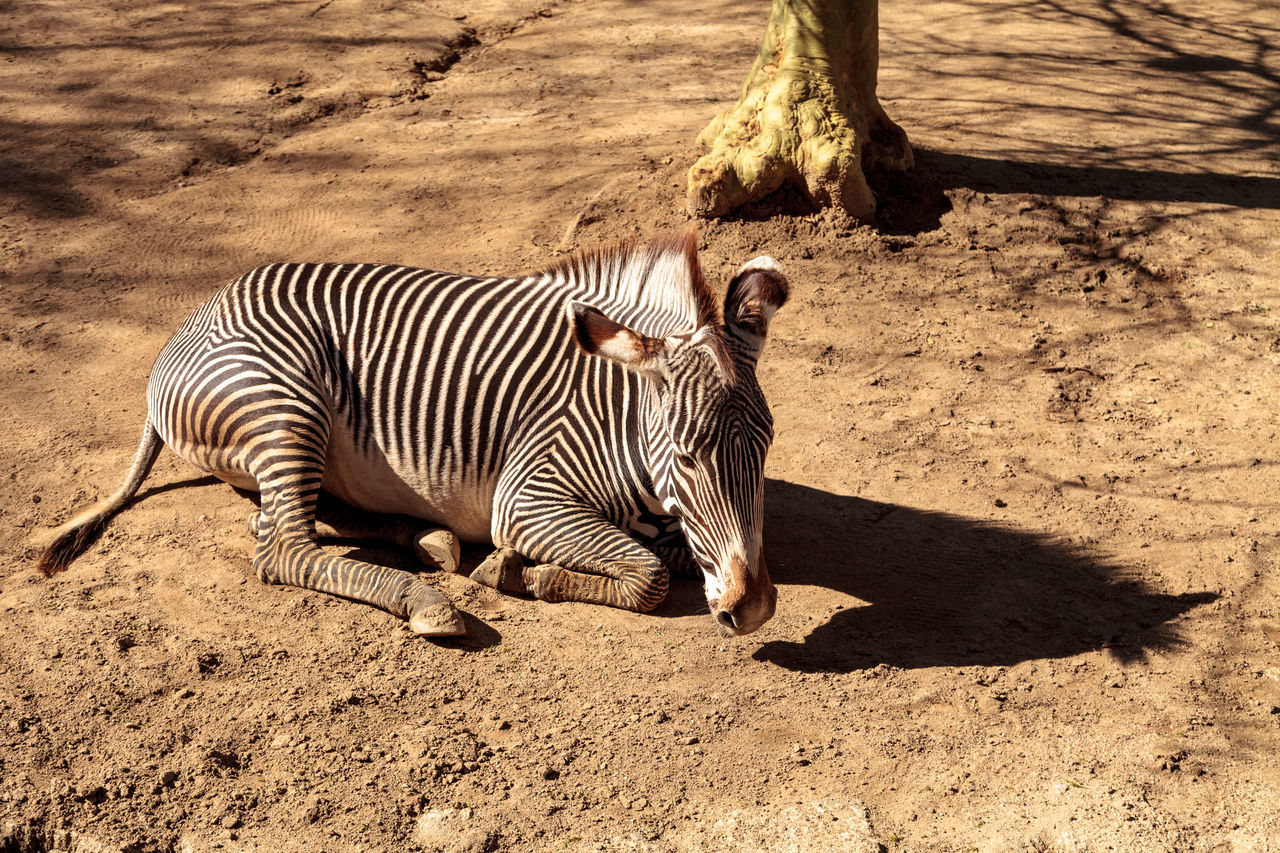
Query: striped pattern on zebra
[{"x": 599, "y": 418}]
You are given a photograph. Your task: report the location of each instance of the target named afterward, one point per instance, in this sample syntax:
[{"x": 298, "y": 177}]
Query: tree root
[{"x": 808, "y": 116}]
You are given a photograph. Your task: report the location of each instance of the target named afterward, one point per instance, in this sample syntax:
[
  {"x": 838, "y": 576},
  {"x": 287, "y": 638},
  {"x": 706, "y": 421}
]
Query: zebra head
[{"x": 709, "y": 431}]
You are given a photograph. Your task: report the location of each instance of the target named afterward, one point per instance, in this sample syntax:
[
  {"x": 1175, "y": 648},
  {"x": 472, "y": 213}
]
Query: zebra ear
[
  {"x": 757, "y": 290},
  {"x": 600, "y": 336}
]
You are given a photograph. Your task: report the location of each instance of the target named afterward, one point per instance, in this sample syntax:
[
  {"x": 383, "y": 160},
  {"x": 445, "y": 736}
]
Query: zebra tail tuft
[
  {"x": 71, "y": 543},
  {"x": 73, "y": 538}
]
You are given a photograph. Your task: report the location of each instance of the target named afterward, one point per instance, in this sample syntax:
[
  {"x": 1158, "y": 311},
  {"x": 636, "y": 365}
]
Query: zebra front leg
[
  {"x": 288, "y": 470},
  {"x": 436, "y": 547},
  {"x": 286, "y": 554},
  {"x": 584, "y": 557},
  {"x": 638, "y": 586}
]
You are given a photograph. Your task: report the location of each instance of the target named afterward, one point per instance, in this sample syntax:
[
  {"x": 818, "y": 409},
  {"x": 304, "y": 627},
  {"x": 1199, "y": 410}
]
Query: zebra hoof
[
  {"x": 502, "y": 570},
  {"x": 438, "y": 548},
  {"x": 255, "y": 524},
  {"x": 433, "y": 615}
]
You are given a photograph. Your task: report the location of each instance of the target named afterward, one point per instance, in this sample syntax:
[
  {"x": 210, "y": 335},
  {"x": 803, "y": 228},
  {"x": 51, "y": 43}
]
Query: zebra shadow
[{"x": 943, "y": 590}]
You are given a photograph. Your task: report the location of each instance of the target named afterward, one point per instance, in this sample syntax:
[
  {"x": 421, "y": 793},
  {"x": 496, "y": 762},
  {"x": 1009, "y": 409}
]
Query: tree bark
[{"x": 808, "y": 115}]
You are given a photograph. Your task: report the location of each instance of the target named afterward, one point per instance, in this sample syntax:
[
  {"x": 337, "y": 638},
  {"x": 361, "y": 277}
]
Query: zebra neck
[{"x": 652, "y": 439}]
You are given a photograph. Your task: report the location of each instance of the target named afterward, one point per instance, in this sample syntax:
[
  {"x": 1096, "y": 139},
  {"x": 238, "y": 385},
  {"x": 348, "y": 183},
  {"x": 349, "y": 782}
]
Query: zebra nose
[{"x": 725, "y": 618}]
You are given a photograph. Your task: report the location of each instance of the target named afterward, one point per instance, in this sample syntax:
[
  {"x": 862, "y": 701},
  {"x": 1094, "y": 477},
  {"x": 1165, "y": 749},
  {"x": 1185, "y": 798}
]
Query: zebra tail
[{"x": 73, "y": 538}]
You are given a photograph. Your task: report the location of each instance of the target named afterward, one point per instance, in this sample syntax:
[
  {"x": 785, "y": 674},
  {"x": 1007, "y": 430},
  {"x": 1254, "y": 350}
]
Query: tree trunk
[{"x": 808, "y": 115}]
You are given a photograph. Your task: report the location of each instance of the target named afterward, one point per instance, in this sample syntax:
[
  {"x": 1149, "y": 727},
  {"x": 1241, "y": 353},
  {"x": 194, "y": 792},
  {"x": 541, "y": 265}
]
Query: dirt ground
[{"x": 1021, "y": 507}]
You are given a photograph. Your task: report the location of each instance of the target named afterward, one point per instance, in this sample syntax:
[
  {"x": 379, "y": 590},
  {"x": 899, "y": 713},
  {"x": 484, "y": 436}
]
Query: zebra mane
[{"x": 656, "y": 288}]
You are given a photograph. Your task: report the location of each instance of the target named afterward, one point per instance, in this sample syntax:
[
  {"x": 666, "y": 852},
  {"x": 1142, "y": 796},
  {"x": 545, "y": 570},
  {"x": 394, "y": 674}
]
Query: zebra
[{"x": 599, "y": 418}]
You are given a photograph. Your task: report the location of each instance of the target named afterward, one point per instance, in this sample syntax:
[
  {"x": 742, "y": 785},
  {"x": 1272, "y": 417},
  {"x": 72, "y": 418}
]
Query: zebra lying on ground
[{"x": 598, "y": 418}]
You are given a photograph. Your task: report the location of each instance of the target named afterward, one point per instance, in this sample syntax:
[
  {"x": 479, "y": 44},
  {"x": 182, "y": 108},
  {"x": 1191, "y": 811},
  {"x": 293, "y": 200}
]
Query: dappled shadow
[
  {"x": 943, "y": 590},
  {"x": 1232, "y": 59},
  {"x": 1075, "y": 98},
  {"x": 45, "y": 191},
  {"x": 1090, "y": 83},
  {"x": 90, "y": 112}
]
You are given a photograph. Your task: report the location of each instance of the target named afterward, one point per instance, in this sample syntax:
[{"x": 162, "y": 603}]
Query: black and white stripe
[{"x": 570, "y": 415}]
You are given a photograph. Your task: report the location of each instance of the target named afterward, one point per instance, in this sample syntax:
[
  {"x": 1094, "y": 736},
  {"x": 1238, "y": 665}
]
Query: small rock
[
  {"x": 91, "y": 793},
  {"x": 450, "y": 831},
  {"x": 206, "y": 663},
  {"x": 311, "y": 812}
]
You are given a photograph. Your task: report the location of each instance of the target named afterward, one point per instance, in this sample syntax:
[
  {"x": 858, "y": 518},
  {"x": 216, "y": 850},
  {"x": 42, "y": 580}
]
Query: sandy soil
[{"x": 1021, "y": 508}]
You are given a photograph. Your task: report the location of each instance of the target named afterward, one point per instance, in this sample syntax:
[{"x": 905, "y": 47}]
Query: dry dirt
[{"x": 1021, "y": 512}]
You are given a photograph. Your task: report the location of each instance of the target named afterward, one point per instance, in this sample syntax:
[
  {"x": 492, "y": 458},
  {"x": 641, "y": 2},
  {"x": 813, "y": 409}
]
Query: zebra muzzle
[{"x": 749, "y": 600}]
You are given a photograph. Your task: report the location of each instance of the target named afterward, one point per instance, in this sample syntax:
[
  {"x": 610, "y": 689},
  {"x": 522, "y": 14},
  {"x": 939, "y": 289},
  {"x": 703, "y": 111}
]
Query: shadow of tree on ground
[
  {"x": 942, "y": 590},
  {"x": 985, "y": 174},
  {"x": 914, "y": 202}
]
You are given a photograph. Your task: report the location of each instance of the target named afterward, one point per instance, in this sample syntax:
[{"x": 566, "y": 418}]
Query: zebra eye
[{"x": 684, "y": 460}]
